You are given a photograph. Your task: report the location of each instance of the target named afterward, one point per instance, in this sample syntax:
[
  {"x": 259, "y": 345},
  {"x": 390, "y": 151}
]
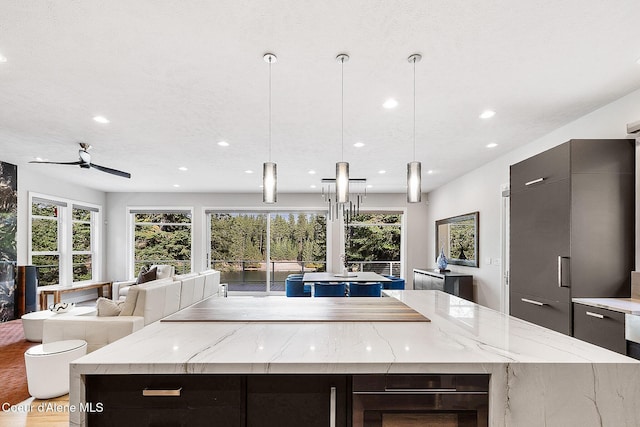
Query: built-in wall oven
[{"x": 420, "y": 400}]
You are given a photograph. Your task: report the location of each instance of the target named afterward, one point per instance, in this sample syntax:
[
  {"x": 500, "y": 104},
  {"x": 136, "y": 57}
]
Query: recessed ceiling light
[
  {"x": 390, "y": 103},
  {"x": 223, "y": 144},
  {"x": 430, "y": 172},
  {"x": 359, "y": 144},
  {"x": 312, "y": 172},
  {"x": 382, "y": 172},
  {"x": 182, "y": 168},
  {"x": 248, "y": 171},
  {"x": 176, "y": 185},
  {"x": 637, "y": 62},
  {"x": 312, "y": 186},
  {"x": 492, "y": 145},
  {"x": 3, "y": 58},
  {"x": 260, "y": 186},
  {"x": 101, "y": 119},
  {"x": 487, "y": 114},
  {"x": 40, "y": 159},
  {"x": 369, "y": 185}
]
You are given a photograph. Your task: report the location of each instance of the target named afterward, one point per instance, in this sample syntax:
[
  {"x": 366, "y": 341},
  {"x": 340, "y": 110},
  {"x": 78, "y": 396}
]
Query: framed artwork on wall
[{"x": 458, "y": 238}]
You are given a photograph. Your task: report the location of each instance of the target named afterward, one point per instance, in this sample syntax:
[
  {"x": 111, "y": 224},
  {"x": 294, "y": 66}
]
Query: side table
[{"x": 48, "y": 367}]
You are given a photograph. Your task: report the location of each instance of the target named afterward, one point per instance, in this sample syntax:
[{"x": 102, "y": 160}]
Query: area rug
[{"x": 13, "y": 376}]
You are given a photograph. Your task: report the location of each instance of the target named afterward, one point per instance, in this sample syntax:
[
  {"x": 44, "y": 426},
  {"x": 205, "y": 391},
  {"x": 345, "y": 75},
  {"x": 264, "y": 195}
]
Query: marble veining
[{"x": 538, "y": 376}]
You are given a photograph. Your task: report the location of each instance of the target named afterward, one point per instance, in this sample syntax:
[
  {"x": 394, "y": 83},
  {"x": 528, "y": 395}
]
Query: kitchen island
[{"x": 537, "y": 376}]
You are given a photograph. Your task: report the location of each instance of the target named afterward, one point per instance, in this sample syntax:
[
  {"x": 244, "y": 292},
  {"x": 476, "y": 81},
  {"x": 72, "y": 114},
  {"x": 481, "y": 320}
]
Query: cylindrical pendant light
[
  {"x": 269, "y": 182},
  {"x": 414, "y": 168},
  {"x": 414, "y": 185},
  {"x": 269, "y": 169},
  {"x": 342, "y": 167},
  {"x": 342, "y": 182}
]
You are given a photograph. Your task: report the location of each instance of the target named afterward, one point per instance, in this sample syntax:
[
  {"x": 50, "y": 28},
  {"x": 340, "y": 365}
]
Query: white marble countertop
[
  {"x": 538, "y": 376},
  {"x": 459, "y": 332},
  {"x": 622, "y": 305}
]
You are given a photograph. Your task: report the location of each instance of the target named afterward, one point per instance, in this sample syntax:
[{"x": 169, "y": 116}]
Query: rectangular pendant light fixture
[
  {"x": 342, "y": 182},
  {"x": 269, "y": 182},
  {"x": 414, "y": 182}
]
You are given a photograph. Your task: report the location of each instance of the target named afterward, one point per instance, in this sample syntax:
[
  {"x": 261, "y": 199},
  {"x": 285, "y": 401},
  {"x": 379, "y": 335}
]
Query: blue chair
[
  {"x": 329, "y": 289},
  {"x": 294, "y": 287},
  {"x": 395, "y": 283},
  {"x": 365, "y": 289}
]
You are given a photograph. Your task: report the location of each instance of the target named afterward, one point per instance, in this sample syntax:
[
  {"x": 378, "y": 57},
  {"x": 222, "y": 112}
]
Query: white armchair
[{"x": 119, "y": 290}]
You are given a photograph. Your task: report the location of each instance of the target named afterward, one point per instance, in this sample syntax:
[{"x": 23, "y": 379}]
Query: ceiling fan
[{"x": 85, "y": 162}]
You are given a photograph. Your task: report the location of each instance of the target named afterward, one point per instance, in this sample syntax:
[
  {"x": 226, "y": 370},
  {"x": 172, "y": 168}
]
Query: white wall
[
  {"x": 116, "y": 218},
  {"x": 479, "y": 190}
]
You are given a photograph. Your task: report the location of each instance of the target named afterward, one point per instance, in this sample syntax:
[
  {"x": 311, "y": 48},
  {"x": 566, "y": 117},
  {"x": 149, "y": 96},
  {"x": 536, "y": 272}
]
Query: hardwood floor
[{"x": 35, "y": 413}]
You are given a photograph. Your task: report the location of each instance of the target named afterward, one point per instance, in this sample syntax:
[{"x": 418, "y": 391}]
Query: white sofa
[
  {"x": 119, "y": 290},
  {"x": 144, "y": 304}
]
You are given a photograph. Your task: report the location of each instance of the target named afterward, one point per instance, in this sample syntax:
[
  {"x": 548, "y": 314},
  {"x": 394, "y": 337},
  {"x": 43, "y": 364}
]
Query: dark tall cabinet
[{"x": 571, "y": 228}]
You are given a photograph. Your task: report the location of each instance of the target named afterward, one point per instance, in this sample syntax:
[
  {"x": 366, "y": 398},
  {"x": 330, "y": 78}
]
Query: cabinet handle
[
  {"x": 171, "y": 392},
  {"x": 560, "y": 271},
  {"x": 592, "y": 314},
  {"x": 530, "y": 301},
  {"x": 535, "y": 181},
  {"x": 332, "y": 408}
]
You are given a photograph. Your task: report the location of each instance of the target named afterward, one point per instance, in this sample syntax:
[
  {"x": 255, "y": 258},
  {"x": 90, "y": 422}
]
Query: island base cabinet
[
  {"x": 297, "y": 401},
  {"x": 166, "y": 400}
]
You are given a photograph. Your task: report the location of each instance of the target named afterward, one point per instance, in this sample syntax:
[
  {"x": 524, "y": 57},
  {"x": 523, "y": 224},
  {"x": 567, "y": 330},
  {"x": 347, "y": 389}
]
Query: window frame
[
  {"x": 403, "y": 231},
  {"x": 132, "y": 210},
  {"x": 65, "y": 250}
]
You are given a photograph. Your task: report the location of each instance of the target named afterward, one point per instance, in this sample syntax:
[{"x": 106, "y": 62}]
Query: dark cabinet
[
  {"x": 165, "y": 400},
  {"x": 600, "y": 326},
  {"x": 288, "y": 401},
  {"x": 220, "y": 400},
  {"x": 460, "y": 285},
  {"x": 571, "y": 228}
]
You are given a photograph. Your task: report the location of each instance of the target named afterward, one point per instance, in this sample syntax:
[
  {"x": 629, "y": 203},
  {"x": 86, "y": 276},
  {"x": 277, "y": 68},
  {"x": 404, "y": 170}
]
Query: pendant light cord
[
  {"x": 342, "y": 106},
  {"x": 270, "y": 61},
  {"x": 414, "y": 109}
]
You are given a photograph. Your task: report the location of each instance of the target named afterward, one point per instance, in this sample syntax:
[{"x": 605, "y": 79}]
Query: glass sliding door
[
  {"x": 238, "y": 249},
  {"x": 256, "y": 251},
  {"x": 298, "y": 244}
]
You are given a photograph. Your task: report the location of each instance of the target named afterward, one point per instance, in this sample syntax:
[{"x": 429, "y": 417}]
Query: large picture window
[
  {"x": 63, "y": 237},
  {"x": 162, "y": 237}
]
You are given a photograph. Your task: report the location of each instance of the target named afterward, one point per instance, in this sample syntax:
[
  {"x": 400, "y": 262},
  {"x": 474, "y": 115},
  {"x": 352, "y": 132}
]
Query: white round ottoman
[
  {"x": 32, "y": 322},
  {"x": 48, "y": 367}
]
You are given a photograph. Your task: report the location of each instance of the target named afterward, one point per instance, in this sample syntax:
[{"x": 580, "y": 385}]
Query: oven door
[{"x": 420, "y": 400}]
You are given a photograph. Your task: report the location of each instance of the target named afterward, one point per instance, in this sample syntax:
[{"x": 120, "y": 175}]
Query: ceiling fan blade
[
  {"x": 59, "y": 163},
  {"x": 111, "y": 171}
]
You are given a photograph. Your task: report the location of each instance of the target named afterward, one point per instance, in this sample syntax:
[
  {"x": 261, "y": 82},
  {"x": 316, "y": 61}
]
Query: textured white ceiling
[{"x": 175, "y": 77}]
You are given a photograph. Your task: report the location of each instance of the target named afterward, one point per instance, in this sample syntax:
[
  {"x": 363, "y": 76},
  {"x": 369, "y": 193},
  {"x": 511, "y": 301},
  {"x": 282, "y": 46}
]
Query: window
[
  {"x": 45, "y": 240},
  {"x": 81, "y": 250},
  {"x": 162, "y": 237},
  {"x": 373, "y": 242},
  {"x": 63, "y": 237},
  {"x": 245, "y": 246}
]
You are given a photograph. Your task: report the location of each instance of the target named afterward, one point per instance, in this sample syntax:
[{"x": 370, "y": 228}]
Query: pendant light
[
  {"x": 269, "y": 169},
  {"x": 342, "y": 167},
  {"x": 414, "y": 168}
]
